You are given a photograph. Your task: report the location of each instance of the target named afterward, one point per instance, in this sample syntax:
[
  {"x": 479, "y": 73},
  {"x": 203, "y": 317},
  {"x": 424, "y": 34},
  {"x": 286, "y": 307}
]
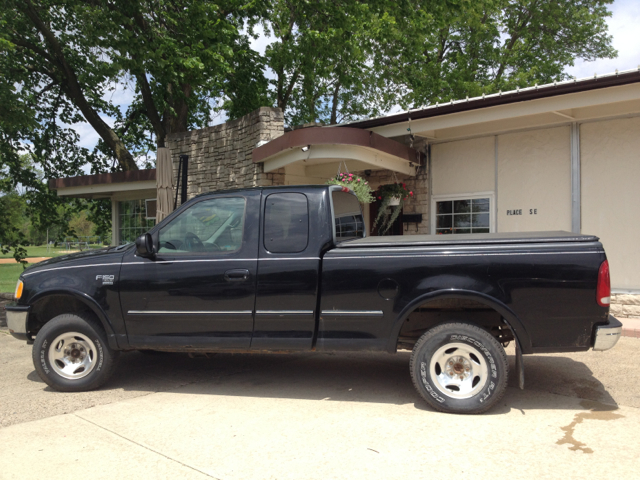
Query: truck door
[
  {"x": 199, "y": 291},
  {"x": 288, "y": 271}
]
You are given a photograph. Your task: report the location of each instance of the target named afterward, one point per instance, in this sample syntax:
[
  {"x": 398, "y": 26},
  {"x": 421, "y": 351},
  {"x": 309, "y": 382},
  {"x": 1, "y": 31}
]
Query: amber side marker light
[
  {"x": 603, "y": 290},
  {"x": 19, "y": 287}
]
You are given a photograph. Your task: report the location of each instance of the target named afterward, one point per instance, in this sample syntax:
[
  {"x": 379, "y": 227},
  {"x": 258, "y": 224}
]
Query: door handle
[{"x": 236, "y": 275}]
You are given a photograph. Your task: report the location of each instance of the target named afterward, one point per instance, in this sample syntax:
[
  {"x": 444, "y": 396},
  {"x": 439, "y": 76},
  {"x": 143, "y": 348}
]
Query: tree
[
  {"x": 63, "y": 56},
  {"x": 339, "y": 60},
  {"x": 491, "y": 45},
  {"x": 322, "y": 58},
  {"x": 61, "y": 59}
]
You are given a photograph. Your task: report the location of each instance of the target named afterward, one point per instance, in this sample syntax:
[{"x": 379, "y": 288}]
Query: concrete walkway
[
  {"x": 630, "y": 327},
  {"x": 317, "y": 416}
]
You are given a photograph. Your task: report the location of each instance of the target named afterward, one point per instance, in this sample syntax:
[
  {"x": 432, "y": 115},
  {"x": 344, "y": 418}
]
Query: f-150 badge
[{"x": 106, "y": 279}]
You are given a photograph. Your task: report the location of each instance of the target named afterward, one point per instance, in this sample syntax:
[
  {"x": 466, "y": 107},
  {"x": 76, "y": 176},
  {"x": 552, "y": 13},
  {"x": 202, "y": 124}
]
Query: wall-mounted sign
[{"x": 532, "y": 211}]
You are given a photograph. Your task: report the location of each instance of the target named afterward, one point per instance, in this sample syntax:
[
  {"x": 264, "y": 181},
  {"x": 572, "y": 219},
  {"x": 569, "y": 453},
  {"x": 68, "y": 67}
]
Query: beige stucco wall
[
  {"x": 464, "y": 166},
  {"x": 534, "y": 173},
  {"x": 610, "y": 189}
]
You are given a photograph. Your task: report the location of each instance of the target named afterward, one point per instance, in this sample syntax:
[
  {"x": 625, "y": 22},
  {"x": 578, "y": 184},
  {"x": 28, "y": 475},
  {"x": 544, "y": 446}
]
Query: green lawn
[{"x": 9, "y": 274}]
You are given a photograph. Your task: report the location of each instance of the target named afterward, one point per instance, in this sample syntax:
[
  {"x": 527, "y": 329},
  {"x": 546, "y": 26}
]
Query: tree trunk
[
  {"x": 71, "y": 86},
  {"x": 334, "y": 105}
]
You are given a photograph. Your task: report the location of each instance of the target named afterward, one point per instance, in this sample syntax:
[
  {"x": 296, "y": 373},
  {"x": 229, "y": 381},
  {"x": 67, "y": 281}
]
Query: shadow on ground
[{"x": 378, "y": 378}]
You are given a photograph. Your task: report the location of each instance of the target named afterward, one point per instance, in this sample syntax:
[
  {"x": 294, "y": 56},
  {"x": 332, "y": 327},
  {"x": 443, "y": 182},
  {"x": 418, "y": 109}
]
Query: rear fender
[{"x": 510, "y": 318}]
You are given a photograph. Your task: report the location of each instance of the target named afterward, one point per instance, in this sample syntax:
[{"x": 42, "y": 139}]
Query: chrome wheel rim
[
  {"x": 72, "y": 355},
  {"x": 459, "y": 370}
]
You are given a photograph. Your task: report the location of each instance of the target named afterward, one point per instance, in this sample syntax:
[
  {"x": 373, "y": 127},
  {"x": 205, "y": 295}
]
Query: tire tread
[
  {"x": 110, "y": 356},
  {"x": 435, "y": 331}
]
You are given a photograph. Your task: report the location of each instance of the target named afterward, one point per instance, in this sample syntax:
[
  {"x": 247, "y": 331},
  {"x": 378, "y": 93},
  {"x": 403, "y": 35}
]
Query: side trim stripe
[
  {"x": 284, "y": 312},
  {"x": 354, "y": 313},
  {"x": 189, "y": 312},
  {"x": 74, "y": 266}
]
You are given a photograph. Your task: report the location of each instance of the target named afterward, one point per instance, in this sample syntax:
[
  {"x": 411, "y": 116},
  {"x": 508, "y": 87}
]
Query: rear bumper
[
  {"x": 606, "y": 336},
  {"x": 17, "y": 317}
]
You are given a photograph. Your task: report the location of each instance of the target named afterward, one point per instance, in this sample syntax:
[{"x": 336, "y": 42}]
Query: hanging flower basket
[
  {"x": 356, "y": 184},
  {"x": 391, "y": 198}
]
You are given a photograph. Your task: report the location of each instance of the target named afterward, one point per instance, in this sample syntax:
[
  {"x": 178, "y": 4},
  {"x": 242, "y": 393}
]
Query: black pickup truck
[{"x": 289, "y": 269}]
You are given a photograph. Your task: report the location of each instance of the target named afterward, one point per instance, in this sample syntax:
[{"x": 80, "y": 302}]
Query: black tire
[
  {"x": 84, "y": 355},
  {"x": 459, "y": 368}
]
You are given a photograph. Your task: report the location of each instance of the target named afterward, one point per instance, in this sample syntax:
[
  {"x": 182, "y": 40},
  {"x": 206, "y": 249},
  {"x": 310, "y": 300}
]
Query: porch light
[{"x": 306, "y": 148}]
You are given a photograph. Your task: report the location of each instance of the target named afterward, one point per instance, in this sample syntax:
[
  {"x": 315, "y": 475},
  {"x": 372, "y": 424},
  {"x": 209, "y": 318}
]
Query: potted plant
[
  {"x": 357, "y": 184},
  {"x": 391, "y": 198}
]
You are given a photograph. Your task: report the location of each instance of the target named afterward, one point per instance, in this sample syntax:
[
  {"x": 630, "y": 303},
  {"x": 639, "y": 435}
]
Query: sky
[{"x": 623, "y": 25}]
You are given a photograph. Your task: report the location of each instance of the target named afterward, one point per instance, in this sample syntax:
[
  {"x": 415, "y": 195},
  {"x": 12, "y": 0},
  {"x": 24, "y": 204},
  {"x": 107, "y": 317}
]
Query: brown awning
[
  {"x": 356, "y": 148},
  {"x": 336, "y": 136},
  {"x": 103, "y": 178}
]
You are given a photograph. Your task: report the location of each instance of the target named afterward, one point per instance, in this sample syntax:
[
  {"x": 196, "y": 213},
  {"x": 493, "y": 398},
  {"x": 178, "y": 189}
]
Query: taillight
[{"x": 603, "y": 291}]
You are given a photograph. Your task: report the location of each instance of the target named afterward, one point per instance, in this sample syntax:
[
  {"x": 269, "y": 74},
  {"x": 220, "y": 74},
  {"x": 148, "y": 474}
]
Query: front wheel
[
  {"x": 71, "y": 353},
  {"x": 459, "y": 368}
]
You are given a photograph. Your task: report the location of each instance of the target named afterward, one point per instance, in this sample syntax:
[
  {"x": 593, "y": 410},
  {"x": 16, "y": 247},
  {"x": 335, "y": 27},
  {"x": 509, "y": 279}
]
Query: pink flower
[
  {"x": 411, "y": 193},
  {"x": 379, "y": 198},
  {"x": 404, "y": 185},
  {"x": 358, "y": 180}
]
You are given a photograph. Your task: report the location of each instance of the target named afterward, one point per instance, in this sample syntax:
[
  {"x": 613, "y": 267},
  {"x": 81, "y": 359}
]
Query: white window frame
[
  {"x": 146, "y": 207},
  {"x": 465, "y": 196}
]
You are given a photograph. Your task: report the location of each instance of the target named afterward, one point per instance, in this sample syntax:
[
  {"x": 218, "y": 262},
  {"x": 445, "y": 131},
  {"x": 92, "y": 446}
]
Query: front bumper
[
  {"x": 606, "y": 336},
  {"x": 17, "y": 317}
]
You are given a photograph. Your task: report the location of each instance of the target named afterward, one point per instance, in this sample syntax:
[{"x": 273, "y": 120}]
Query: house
[{"x": 562, "y": 156}]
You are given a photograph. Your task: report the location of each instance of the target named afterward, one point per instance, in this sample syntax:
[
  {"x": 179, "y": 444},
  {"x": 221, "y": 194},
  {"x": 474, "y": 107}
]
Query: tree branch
[{"x": 74, "y": 91}]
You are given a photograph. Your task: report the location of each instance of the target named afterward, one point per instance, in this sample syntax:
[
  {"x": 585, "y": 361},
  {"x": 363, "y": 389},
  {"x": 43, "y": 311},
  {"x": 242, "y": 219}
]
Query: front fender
[
  {"x": 512, "y": 320},
  {"x": 86, "y": 300}
]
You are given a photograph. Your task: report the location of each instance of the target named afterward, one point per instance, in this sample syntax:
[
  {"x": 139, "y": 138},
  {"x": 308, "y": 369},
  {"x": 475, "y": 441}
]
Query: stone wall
[
  {"x": 625, "y": 305},
  {"x": 220, "y": 157},
  {"x": 419, "y": 185}
]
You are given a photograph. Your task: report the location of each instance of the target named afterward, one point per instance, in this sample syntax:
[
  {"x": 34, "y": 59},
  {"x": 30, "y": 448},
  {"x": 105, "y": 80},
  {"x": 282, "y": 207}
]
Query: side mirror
[{"x": 144, "y": 246}]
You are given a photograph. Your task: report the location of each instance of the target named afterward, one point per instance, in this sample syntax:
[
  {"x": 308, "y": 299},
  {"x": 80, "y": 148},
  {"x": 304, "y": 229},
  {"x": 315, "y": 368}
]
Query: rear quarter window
[
  {"x": 348, "y": 218},
  {"x": 286, "y": 223}
]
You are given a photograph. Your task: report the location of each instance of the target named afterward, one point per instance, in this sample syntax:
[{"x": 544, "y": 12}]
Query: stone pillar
[{"x": 220, "y": 157}]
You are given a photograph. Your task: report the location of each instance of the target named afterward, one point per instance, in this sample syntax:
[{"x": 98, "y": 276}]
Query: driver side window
[{"x": 214, "y": 225}]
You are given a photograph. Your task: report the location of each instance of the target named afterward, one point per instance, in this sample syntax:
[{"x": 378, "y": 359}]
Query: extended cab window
[
  {"x": 214, "y": 225},
  {"x": 348, "y": 216},
  {"x": 286, "y": 223}
]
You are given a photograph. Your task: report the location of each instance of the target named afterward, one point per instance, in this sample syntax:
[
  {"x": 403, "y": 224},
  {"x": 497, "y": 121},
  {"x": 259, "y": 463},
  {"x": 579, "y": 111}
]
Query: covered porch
[{"x": 311, "y": 156}]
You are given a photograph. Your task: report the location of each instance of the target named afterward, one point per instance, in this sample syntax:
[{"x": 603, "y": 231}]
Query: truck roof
[
  {"x": 274, "y": 187},
  {"x": 468, "y": 239}
]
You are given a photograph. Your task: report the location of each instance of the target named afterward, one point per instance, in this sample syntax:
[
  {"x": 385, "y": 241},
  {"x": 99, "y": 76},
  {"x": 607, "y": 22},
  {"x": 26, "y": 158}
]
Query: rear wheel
[
  {"x": 459, "y": 368},
  {"x": 71, "y": 353}
]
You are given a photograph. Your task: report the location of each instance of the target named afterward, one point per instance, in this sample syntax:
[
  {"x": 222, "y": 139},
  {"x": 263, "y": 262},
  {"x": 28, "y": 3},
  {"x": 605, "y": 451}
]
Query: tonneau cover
[{"x": 468, "y": 239}]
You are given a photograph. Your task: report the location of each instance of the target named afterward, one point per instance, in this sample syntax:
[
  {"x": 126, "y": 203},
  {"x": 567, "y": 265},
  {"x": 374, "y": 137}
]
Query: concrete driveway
[{"x": 317, "y": 416}]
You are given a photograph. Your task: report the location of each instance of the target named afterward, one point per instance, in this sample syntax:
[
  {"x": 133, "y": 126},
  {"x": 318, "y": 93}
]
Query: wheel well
[
  {"x": 53, "y": 305},
  {"x": 441, "y": 310}
]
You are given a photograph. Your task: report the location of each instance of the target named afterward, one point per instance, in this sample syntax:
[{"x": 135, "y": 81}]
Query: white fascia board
[
  {"x": 319, "y": 154},
  {"x": 105, "y": 189},
  {"x": 591, "y": 98}
]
